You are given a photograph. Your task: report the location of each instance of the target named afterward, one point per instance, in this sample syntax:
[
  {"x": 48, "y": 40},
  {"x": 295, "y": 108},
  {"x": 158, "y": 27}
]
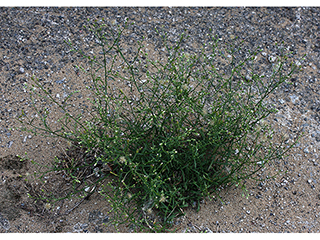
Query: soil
[{"x": 32, "y": 43}]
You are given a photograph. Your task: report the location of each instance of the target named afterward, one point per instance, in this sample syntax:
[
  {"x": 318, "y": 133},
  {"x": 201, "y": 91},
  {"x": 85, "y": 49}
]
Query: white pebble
[{"x": 272, "y": 59}]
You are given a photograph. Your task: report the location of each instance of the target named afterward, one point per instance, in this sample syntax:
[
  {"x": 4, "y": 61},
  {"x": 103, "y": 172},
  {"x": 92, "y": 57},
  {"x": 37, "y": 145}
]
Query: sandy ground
[{"x": 32, "y": 43}]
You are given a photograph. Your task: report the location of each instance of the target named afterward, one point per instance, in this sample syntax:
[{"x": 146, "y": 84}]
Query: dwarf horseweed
[{"x": 162, "y": 135}]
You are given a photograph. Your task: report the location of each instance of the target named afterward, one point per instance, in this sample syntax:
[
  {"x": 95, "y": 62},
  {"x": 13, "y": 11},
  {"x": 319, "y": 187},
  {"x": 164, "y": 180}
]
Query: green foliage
[{"x": 177, "y": 129}]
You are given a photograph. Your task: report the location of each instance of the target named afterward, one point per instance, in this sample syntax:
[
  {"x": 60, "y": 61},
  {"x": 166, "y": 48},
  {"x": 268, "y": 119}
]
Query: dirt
[
  {"x": 13, "y": 188},
  {"x": 287, "y": 203},
  {"x": 22, "y": 198}
]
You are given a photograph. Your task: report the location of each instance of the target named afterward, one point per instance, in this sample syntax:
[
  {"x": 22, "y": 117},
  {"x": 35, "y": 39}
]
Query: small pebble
[
  {"x": 84, "y": 226},
  {"x": 105, "y": 220},
  {"x": 272, "y": 59},
  {"x": 10, "y": 144},
  {"x": 294, "y": 98}
]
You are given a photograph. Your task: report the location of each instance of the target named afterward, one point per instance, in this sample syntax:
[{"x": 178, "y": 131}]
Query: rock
[
  {"x": 207, "y": 230},
  {"x": 10, "y": 144},
  {"x": 84, "y": 226},
  {"x": 4, "y": 223},
  {"x": 294, "y": 98},
  {"x": 60, "y": 81},
  {"x": 272, "y": 59},
  {"x": 106, "y": 219}
]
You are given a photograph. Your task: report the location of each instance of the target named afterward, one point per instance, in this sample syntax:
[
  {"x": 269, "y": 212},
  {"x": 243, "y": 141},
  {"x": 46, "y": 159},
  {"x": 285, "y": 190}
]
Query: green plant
[{"x": 172, "y": 132}]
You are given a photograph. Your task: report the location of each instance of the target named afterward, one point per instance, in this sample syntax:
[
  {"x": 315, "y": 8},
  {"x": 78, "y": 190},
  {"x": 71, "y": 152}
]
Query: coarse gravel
[{"x": 33, "y": 43}]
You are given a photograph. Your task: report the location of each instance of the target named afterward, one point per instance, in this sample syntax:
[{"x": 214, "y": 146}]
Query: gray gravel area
[{"x": 32, "y": 42}]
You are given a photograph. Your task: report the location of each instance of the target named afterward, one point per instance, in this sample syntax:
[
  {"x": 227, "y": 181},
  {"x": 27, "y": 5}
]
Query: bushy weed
[{"x": 175, "y": 130}]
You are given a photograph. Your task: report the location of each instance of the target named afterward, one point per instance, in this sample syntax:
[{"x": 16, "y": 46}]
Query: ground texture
[{"x": 32, "y": 43}]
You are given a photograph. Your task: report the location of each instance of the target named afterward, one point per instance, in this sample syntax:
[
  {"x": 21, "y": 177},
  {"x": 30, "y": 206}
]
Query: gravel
[{"x": 33, "y": 43}]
